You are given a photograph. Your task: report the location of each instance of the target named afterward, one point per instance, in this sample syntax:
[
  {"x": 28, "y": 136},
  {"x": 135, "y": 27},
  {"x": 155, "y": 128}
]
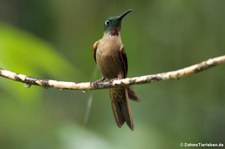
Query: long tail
[{"x": 121, "y": 107}]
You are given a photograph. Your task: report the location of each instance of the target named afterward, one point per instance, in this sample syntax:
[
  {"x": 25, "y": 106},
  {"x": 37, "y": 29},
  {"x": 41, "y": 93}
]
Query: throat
[{"x": 115, "y": 32}]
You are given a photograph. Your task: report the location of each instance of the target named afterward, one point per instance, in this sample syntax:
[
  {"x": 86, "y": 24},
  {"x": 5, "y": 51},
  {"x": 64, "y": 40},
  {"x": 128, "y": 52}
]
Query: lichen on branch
[{"x": 171, "y": 75}]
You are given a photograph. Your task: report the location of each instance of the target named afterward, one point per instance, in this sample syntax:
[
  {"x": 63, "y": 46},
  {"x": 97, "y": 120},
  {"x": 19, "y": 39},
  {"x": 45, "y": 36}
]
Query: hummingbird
[{"x": 111, "y": 59}]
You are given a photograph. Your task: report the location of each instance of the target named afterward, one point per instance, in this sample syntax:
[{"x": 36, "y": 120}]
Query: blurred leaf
[
  {"x": 22, "y": 52},
  {"x": 73, "y": 136}
]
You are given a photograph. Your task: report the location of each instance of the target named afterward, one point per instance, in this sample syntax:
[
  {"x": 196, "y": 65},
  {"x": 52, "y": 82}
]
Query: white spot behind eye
[{"x": 107, "y": 22}]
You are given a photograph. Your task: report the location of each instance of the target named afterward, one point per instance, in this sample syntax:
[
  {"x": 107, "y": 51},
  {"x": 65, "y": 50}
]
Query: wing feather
[
  {"x": 95, "y": 46},
  {"x": 123, "y": 58}
]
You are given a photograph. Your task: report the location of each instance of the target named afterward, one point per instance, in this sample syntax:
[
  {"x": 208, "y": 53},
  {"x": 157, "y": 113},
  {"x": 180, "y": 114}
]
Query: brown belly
[{"x": 110, "y": 64}]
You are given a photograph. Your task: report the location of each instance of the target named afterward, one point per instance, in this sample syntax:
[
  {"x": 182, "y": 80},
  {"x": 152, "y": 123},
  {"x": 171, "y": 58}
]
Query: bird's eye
[{"x": 107, "y": 22}]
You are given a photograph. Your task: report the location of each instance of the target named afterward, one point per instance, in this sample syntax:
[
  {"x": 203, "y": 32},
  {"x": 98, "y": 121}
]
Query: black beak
[{"x": 124, "y": 14}]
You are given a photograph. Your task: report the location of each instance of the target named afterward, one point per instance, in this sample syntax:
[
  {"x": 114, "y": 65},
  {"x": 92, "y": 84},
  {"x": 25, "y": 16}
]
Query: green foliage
[{"x": 24, "y": 53}]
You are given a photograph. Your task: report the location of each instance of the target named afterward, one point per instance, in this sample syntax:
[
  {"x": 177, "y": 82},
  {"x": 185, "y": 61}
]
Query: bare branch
[{"x": 172, "y": 75}]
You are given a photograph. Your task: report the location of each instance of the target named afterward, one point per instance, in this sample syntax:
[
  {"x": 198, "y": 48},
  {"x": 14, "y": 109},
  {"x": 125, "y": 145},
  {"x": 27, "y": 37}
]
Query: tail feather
[
  {"x": 132, "y": 95},
  {"x": 121, "y": 107},
  {"x": 117, "y": 112}
]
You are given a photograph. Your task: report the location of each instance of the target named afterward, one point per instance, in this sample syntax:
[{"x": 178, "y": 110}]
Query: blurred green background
[{"x": 53, "y": 39}]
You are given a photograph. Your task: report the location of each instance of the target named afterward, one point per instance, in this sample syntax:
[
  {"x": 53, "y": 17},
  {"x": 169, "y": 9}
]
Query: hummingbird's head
[{"x": 112, "y": 25}]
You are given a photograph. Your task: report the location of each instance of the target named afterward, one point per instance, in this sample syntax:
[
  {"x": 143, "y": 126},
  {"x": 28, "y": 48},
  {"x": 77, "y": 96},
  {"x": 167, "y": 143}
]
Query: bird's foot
[
  {"x": 111, "y": 80},
  {"x": 95, "y": 84}
]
